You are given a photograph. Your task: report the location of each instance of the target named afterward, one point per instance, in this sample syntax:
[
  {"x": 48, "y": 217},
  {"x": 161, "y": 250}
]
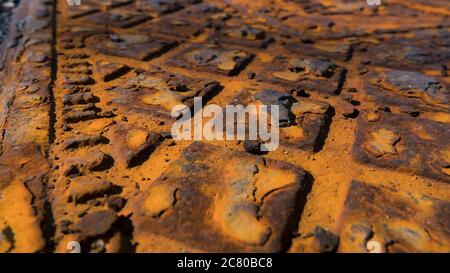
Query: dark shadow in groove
[
  {"x": 48, "y": 222},
  {"x": 295, "y": 218},
  {"x": 349, "y": 54},
  {"x": 112, "y": 191},
  {"x": 106, "y": 164},
  {"x": 167, "y": 47},
  {"x": 142, "y": 157},
  {"x": 127, "y": 229},
  {"x": 9, "y": 236},
  {"x": 236, "y": 71}
]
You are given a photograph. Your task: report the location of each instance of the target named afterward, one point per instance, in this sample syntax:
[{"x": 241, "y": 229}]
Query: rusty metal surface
[{"x": 86, "y": 94}]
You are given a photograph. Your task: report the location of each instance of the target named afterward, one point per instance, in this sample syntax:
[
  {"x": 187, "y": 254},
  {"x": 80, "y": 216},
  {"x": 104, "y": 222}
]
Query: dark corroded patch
[
  {"x": 212, "y": 59},
  {"x": 303, "y": 122},
  {"x": 96, "y": 223},
  {"x": 311, "y": 75}
]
